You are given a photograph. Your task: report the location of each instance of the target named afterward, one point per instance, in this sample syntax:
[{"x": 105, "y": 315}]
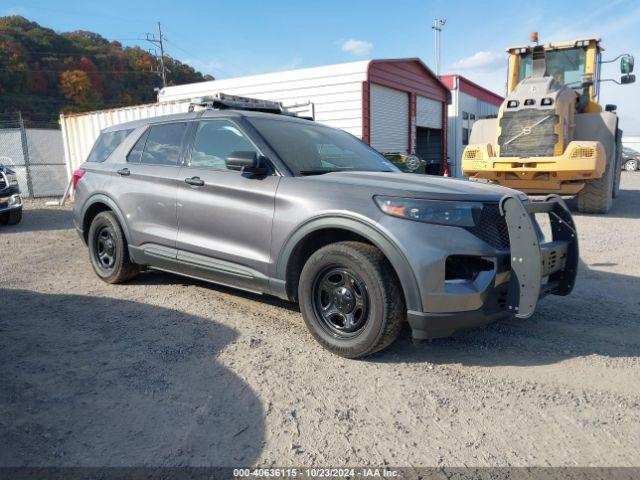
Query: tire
[
  {"x": 108, "y": 250},
  {"x": 14, "y": 216},
  {"x": 631, "y": 165},
  {"x": 373, "y": 300},
  {"x": 597, "y": 194}
]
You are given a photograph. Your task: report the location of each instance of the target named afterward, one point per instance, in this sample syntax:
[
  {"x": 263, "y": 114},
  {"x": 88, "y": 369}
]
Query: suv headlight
[{"x": 440, "y": 212}]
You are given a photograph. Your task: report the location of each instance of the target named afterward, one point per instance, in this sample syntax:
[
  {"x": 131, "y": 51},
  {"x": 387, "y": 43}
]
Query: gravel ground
[{"x": 169, "y": 371}]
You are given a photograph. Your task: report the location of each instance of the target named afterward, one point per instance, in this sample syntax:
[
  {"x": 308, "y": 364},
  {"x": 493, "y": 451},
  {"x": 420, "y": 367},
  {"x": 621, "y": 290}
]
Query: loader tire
[{"x": 597, "y": 194}]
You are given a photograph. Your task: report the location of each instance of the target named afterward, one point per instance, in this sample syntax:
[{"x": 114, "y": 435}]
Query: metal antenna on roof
[{"x": 438, "y": 23}]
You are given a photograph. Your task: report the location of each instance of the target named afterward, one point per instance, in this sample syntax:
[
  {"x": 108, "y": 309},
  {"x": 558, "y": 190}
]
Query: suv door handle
[
  {"x": 195, "y": 181},
  {"x": 125, "y": 172}
]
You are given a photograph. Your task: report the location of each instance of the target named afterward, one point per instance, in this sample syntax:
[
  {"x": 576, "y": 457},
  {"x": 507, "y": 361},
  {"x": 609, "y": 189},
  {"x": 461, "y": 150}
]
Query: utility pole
[
  {"x": 438, "y": 23},
  {"x": 158, "y": 42}
]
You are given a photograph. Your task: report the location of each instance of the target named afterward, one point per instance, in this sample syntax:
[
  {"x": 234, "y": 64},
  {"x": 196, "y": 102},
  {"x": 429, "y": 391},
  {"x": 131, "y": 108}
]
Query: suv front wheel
[
  {"x": 109, "y": 251},
  {"x": 350, "y": 299}
]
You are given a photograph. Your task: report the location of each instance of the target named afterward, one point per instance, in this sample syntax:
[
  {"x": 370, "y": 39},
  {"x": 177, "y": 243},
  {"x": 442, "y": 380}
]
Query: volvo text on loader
[{"x": 551, "y": 135}]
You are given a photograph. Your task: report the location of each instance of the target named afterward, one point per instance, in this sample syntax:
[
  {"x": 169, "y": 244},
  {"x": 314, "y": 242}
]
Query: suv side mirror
[
  {"x": 626, "y": 64},
  {"x": 627, "y": 79},
  {"x": 246, "y": 161}
]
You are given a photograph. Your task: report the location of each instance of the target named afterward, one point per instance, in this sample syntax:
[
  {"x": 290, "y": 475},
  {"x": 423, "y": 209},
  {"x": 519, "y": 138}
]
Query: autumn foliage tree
[{"x": 43, "y": 73}]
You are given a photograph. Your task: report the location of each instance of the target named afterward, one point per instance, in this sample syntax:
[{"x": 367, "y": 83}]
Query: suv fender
[
  {"x": 106, "y": 200},
  {"x": 381, "y": 240}
]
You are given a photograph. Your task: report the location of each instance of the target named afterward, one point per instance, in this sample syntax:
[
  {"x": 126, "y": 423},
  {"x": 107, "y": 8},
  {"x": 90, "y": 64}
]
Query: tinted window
[
  {"x": 136, "y": 151},
  {"x": 309, "y": 148},
  {"x": 163, "y": 144},
  {"x": 215, "y": 140},
  {"x": 106, "y": 144}
]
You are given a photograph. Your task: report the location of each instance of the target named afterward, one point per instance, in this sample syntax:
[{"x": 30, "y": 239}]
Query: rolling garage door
[
  {"x": 428, "y": 113},
  {"x": 429, "y": 133},
  {"x": 389, "y": 119}
]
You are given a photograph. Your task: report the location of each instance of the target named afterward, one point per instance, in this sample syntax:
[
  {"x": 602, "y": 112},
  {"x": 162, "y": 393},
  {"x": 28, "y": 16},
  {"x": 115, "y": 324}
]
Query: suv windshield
[
  {"x": 309, "y": 148},
  {"x": 565, "y": 65}
]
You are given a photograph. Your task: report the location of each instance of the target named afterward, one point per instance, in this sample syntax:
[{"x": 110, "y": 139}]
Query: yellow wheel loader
[{"x": 551, "y": 135}]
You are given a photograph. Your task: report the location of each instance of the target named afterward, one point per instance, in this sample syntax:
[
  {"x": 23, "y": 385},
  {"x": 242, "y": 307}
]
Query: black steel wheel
[
  {"x": 341, "y": 301},
  {"x": 351, "y": 299},
  {"x": 108, "y": 249},
  {"x": 105, "y": 248}
]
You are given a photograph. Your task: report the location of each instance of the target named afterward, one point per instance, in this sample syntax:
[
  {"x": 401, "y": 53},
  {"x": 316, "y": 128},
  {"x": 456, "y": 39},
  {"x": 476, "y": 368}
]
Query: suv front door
[
  {"x": 146, "y": 186},
  {"x": 224, "y": 216}
]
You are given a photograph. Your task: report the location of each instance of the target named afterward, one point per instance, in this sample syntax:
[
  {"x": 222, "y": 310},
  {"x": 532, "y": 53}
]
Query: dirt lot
[{"x": 169, "y": 371}]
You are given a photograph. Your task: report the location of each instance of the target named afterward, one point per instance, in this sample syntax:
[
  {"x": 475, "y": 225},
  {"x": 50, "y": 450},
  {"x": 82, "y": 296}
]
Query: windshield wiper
[
  {"x": 331, "y": 170},
  {"x": 320, "y": 171}
]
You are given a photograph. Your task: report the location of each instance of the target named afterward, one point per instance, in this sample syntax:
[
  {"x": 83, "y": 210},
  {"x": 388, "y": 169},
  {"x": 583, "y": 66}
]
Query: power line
[
  {"x": 77, "y": 54},
  {"x": 27, "y": 70}
]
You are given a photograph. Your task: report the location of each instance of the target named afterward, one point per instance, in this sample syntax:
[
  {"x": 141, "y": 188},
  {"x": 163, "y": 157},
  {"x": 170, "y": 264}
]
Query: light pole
[{"x": 438, "y": 23}]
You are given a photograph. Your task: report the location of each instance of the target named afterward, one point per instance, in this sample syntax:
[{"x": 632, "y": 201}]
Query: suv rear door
[
  {"x": 224, "y": 224},
  {"x": 145, "y": 186}
]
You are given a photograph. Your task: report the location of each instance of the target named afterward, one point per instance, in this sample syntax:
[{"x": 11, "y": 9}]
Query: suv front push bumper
[{"x": 536, "y": 269}]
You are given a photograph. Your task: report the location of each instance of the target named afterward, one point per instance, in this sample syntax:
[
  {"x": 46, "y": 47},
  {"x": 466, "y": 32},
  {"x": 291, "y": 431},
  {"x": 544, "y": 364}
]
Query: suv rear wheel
[
  {"x": 350, "y": 299},
  {"x": 109, "y": 251}
]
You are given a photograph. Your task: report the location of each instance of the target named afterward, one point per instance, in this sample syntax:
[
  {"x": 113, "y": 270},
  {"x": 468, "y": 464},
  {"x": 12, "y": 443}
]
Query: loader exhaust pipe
[{"x": 539, "y": 62}]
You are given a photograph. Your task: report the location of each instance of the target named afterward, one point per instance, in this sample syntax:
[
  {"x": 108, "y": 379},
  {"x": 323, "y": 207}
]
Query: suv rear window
[{"x": 106, "y": 144}]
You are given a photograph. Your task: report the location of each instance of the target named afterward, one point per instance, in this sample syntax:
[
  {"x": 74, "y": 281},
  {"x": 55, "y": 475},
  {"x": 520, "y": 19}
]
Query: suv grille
[
  {"x": 3, "y": 181},
  {"x": 539, "y": 142},
  {"x": 492, "y": 227}
]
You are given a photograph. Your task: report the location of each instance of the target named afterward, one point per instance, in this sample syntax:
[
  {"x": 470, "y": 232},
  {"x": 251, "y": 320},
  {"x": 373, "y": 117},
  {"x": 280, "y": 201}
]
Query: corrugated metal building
[
  {"x": 469, "y": 102},
  {"x": 396, "y": 105}
]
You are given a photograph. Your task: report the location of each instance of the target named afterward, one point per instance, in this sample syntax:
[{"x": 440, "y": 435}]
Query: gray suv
[{"x": 256, "y": 199}]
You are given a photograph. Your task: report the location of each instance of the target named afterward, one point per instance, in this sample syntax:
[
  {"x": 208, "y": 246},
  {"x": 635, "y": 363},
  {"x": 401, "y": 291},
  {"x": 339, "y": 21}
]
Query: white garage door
[
  {"x": 428, "y": 112},
  {"x": 389, "y": 119}
]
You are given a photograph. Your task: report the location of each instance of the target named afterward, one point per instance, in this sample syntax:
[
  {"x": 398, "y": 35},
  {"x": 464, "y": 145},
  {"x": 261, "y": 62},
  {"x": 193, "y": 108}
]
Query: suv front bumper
[{"x": 530, "y": 270}]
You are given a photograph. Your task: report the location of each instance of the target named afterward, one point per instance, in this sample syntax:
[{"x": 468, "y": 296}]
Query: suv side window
[
  {"x": 163, "y": 144},
  {"x": 106, "y": 144},
  {"x": 214, "y": 141}
]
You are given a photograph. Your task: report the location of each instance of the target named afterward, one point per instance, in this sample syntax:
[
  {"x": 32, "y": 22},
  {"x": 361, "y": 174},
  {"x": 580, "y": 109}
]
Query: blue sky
[{"x": 232, "y": 38}]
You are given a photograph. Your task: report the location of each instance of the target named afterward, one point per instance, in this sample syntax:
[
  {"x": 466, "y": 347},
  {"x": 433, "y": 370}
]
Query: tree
[{"x": 76, "y": 87}]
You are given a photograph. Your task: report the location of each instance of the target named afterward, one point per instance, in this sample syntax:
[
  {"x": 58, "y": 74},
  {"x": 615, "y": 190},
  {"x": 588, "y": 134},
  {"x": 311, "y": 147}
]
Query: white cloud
[
  {"x": 357, "y": 47},
  {"x": 480, "y": 62}
]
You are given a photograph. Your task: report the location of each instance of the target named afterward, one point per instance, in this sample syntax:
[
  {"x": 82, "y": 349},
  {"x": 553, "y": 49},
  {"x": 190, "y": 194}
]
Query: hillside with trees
[{"x": 43, "y": 72}]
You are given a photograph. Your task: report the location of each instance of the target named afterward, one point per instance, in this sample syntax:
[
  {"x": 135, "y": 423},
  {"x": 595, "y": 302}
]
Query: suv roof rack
[{"x": 223, "y": 101}]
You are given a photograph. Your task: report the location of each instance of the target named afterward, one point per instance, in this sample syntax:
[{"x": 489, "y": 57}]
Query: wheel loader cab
[
  {"x": 551, "y": 135},
  {"x": 570, "y": 63}
]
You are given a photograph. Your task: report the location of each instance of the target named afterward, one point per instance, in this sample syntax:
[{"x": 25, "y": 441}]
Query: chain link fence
[{"x": 32, "y": 147}]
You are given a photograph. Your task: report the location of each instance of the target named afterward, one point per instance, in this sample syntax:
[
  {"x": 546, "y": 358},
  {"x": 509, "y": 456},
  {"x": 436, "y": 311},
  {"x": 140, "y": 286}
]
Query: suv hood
[{"x": 418, "y": 186}]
